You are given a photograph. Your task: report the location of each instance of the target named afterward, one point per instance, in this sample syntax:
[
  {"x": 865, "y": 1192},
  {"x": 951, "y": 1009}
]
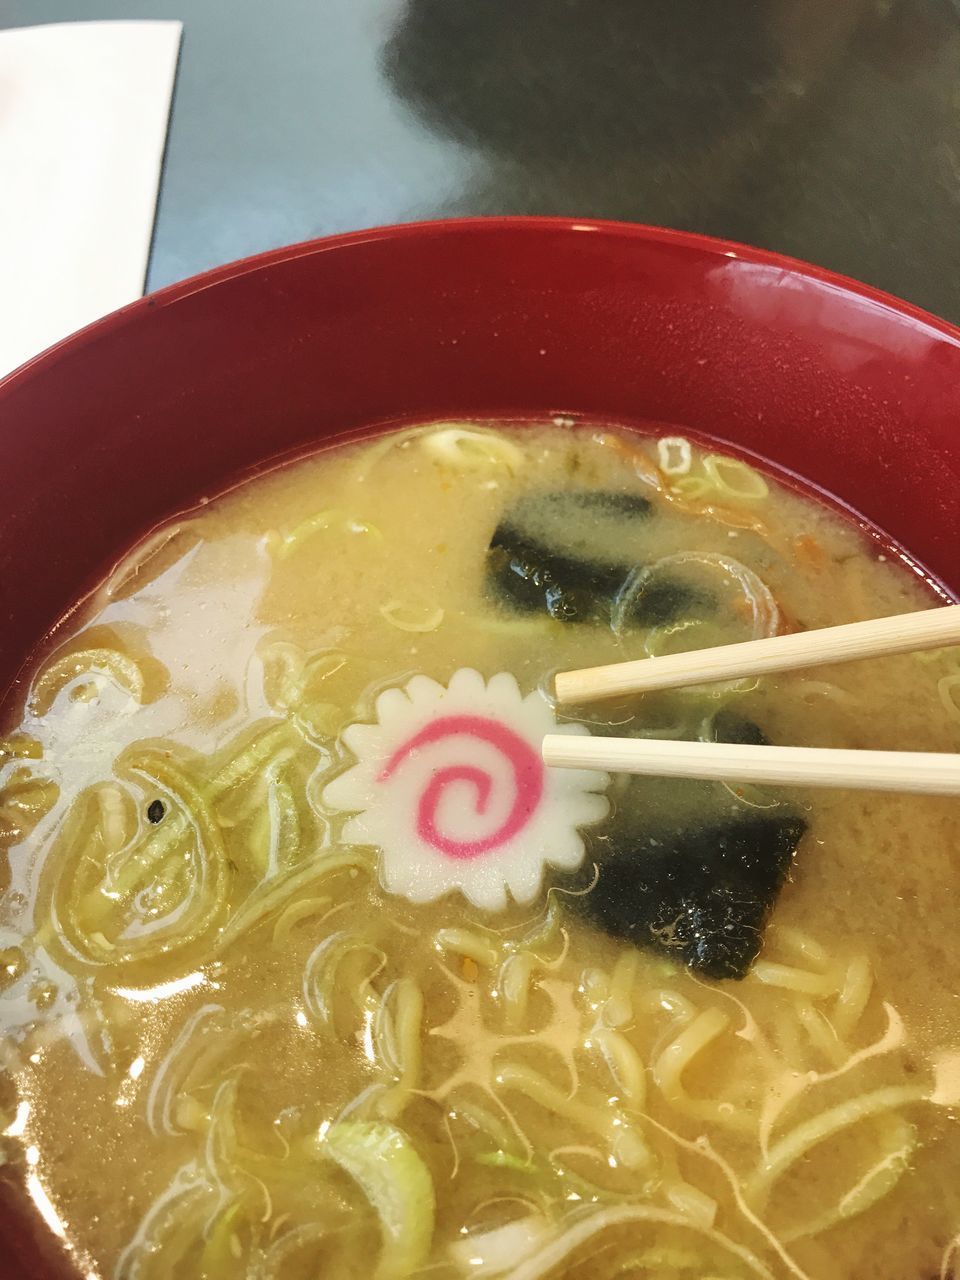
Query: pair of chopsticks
[{"x": 933, "y": 773}]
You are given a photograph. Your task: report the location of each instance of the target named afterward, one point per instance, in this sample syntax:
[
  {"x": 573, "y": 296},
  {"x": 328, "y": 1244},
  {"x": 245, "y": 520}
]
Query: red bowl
[{"x": 169, "y": 399}]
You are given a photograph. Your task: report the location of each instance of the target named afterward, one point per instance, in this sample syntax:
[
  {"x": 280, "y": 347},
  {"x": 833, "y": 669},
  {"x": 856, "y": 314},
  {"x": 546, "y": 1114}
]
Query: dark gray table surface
[{"x": 828, "y": 129}]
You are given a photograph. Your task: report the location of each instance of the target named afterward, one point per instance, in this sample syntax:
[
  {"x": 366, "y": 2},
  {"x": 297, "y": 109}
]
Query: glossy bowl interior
[{"x": 170, "y": 399}]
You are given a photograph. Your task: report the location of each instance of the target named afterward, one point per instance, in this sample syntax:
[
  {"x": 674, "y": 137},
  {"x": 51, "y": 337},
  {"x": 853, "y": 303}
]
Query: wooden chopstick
[
  {"x": 903, "y": 633},
  {"x": 929, "y": 772}
]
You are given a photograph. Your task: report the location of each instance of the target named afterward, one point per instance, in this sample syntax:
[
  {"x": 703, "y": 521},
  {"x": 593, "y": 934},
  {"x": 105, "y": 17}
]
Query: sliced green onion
[
  {"x": 222, "y": 1251},
  {"x": 407, "y": 618},
  {"x": 674, "y": 455},
  {"x": 504, "y": 1160},
  {"x": 467, "y": 450},
  {"x": 282, "y": 545},
  {"x": 734, "y": 478},
  {"x": 384, "y": 1164},
  {"x": 118, "y": 667}
]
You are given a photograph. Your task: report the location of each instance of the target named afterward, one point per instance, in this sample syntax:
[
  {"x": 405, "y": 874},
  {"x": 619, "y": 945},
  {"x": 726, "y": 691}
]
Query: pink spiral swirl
[{"x": 527, "y": 770}]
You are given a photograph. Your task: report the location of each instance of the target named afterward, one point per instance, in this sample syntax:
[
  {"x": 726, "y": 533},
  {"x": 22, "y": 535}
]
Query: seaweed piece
[
  {"x": 728, "y": 726},
  {"x": 531, "y": 578},
  {"x": 698, "y": 892},
  {"x": 545, "y": 557},
  {"x": 700, "y": 896}
]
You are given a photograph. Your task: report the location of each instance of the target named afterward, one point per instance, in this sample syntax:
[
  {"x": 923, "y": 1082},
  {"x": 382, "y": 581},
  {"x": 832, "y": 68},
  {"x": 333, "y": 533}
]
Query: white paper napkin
[{"x": 83, "y": 120}]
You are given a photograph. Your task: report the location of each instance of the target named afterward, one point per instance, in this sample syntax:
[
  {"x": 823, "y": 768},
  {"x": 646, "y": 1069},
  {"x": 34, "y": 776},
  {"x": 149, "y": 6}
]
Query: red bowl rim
[{"x": 474, "y": 226}]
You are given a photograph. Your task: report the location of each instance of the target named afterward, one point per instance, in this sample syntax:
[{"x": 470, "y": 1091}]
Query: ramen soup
[{"x": 311, "y": 969}]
